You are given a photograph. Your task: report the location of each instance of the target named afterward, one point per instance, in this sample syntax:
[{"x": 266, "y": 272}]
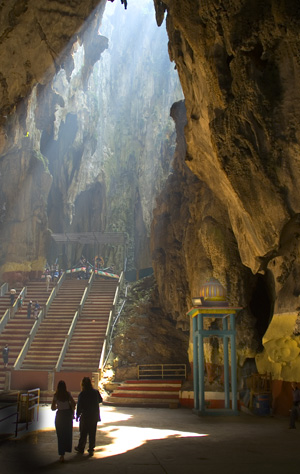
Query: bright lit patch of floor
[
  {"x": 46, "y": 418},
  {"x": 117, "y": 430},
  {"x": 126, "y": 438}
]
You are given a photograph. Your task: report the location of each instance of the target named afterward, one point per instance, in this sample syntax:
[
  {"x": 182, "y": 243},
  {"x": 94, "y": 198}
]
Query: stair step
[
  {"x": 145, "y": 393},
  {"x": 80, "y": 357},
  {"x": 154, "y": 396},
  {"x": 139, "y": 402},
  {"x": 153, "y": 382},
  {"x": 141, "y": 388},
  {"x": 88, "y": 338}
]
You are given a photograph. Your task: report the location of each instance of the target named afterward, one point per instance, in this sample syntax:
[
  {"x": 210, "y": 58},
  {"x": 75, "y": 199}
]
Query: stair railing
[
  {"x": 86, "y": 292},
  {"x": 54, "y": 292},
  {"x": 162, "y": 371},
  {"x": 28, "y": 404},
  {"x": 17, "y": 302},
  {"x": 66, "y": 343},
  {"x": 107, "y": 345},
  {"x": 10, "y": 312},
  {"x": 4, "y": 320},
  {"x": 3, "y": 289},
  {"x": 28, "y": 342},
  {"x": 5, "y": 317},
  {"x": 68, "y": 338}
]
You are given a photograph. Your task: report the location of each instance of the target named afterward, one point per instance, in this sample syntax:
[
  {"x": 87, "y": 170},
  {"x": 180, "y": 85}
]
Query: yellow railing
[
  {"x": 162, "y": 371},
  {"x": 27, "y": 402}
]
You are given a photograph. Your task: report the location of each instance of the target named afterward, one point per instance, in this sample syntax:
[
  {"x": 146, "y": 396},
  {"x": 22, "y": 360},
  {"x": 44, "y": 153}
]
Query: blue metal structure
[{"x": 227, "y": 333}]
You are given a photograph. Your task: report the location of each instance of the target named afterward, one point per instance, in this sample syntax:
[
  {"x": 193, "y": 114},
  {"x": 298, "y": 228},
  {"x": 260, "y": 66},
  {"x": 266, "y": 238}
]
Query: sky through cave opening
[{"x": 112, "y": 128}]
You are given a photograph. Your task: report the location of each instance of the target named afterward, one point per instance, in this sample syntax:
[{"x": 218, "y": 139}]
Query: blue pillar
[
  {"x": 195, "y": 363},
  {"x": 233, "y": 365},
  {"x": 201, "y": 364},
  {"x": 226, "y": 365}
]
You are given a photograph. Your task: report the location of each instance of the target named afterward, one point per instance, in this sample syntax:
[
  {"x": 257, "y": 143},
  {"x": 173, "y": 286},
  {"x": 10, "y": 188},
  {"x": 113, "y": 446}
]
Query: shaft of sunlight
[{"x": 126, "y": 438}]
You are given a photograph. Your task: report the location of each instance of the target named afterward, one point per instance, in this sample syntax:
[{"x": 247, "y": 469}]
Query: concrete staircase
[
  {"x": 86, "y": 344},
  {"x": 47, "y": 344},
  {"x": 17, "y": 329},
  {"x": 146, "y": 393}
]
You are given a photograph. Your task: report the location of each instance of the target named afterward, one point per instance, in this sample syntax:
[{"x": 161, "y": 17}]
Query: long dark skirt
[{"x": 64, "y": 430}]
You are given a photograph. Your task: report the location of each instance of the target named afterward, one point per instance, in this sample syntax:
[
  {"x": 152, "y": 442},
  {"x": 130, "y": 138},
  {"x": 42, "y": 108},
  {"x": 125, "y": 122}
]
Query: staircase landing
[{"x": 146, "y": 393}]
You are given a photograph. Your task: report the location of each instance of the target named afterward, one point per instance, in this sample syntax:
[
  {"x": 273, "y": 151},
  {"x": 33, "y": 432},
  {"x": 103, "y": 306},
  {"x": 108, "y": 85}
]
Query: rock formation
[
  {"x": 238, "y": 65},
  {"x": 144, "y": 334},
  {"x": 37, "y": 41},
  {"x": 230, "y": 207}
]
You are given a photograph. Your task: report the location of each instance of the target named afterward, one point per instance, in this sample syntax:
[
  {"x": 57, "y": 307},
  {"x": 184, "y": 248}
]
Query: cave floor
[{"x": 160, "y": 441}]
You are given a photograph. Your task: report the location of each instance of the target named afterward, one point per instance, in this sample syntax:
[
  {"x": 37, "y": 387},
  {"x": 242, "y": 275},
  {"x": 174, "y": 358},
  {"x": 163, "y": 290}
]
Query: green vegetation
[{"x": 39, "y": 156}]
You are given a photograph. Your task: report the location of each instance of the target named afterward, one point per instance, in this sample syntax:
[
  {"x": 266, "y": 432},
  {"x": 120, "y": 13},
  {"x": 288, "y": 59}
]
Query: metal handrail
[
  {"x": 10, "y": 312},
  {"x": 68, "y": 338},
  {"x": 27, "y": 343},
  {"x": 4, "y": 320},
  {"x": 31, "y": 396},
  {"x": 103, "y": 352},
  {"x": 112, "y": 320},
  {"x": 162, "y": 370},
  {"x": 22, "y": 295},
  {"x": 86, "y": 292},
  {"x": 3, "y": 289},
  {"x": 15, "y": 306},
  {"x": 66, "y": 343},
  {"x": 54, "y": 292}
]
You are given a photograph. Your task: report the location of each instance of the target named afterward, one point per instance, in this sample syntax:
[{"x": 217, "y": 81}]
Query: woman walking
[
  {"x": 89, "y": 413},
  {"x": 64, "y": 403}
]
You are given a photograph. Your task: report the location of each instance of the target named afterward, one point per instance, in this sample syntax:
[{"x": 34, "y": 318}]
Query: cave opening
[
  {"x": 109, "y": 123},
  {"x": 262, "y": 304}
]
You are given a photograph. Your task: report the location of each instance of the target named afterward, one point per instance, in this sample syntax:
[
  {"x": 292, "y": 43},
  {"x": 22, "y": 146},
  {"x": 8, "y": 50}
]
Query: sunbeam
[{"x": 125, "y": 438}]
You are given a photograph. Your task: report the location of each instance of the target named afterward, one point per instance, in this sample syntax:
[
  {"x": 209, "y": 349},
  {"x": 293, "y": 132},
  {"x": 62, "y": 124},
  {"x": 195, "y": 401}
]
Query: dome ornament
[{"x": 211, "y": 294}]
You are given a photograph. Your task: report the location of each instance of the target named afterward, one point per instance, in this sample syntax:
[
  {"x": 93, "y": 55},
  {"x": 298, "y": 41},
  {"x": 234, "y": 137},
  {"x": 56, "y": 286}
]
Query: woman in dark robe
[
  {"x": 64, "y": 403},
  {"x": 89, "y": 413}
]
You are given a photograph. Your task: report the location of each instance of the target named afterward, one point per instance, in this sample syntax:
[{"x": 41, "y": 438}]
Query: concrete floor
[{"x": 161, "y": 441}]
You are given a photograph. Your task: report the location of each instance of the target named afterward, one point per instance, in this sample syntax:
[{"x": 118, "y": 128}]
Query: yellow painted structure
[
  {"x": 26, "y": 266},
  {"x": 281, "y": 355}
]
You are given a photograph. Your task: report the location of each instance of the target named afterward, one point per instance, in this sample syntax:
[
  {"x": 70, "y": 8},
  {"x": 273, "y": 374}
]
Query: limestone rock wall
[
  {"x": 238, "y": 64},
  {"x": 192, "y": 240},
  {"x": 36, "y": 40},
  {"x": 34, "y": 35}
]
